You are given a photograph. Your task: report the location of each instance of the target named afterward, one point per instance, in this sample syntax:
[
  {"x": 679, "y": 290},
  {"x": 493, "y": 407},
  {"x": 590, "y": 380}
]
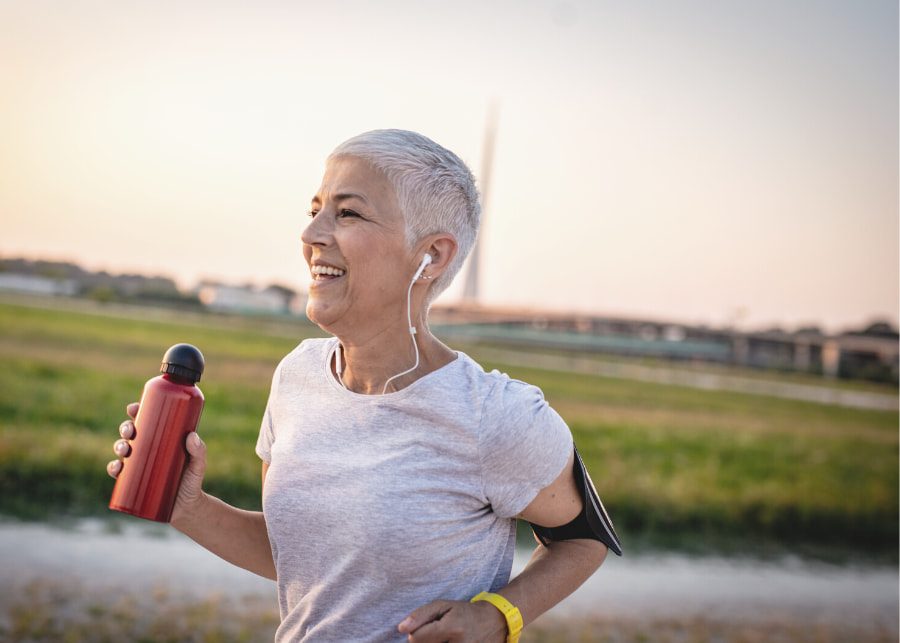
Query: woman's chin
[
  {"x": 320, "y": 314},
  {"x": 313, "y": 313}
]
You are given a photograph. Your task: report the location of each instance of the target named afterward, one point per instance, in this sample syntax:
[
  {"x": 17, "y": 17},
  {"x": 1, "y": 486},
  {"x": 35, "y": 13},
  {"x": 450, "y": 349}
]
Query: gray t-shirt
[{"x": 378, "y": 504}]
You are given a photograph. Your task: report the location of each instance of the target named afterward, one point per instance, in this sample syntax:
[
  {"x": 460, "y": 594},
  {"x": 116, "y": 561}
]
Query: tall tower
[{"x": 470, "y": 287}]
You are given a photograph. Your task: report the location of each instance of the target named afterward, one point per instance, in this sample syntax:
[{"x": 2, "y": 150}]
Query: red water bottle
[{"x": 170, "y": 408}]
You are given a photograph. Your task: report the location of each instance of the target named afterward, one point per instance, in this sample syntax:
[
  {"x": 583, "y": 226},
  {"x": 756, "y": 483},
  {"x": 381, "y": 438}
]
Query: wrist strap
[{"x": 510, "y": 612}]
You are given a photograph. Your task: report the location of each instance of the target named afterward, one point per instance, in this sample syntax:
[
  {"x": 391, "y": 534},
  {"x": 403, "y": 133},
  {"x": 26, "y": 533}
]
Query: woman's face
[{"x": 355, "y": 246}]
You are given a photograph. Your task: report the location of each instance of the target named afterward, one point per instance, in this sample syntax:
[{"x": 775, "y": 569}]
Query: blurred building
[
  {"x": 870, "y": 353},
  {"x": 247, "y": 299},
  {"x": 37, "y": 285}
]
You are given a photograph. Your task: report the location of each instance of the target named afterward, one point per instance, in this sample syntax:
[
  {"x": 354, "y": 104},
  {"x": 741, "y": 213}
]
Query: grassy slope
[
  {"x": 670, "y": 462},
  {"x": 675, "y": 462}
]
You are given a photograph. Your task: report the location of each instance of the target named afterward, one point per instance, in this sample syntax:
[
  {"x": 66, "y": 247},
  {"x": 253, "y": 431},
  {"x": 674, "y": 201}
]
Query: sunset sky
[{"x": 704, "y": 162}]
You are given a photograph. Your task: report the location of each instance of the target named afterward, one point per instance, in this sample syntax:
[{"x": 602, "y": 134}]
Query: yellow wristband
[{"x": 510, "y": 612}]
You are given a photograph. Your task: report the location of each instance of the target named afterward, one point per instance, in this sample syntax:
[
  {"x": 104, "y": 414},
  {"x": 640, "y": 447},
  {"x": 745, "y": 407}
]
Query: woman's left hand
[{"x": 455, "y": 621}]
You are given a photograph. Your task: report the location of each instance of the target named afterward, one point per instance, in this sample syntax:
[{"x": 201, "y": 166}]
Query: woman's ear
[{"x": 442, "y": 248}]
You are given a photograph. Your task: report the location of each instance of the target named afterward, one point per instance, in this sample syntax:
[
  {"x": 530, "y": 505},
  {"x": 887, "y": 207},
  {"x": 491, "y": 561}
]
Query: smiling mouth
[{"x": 326, "y": 273}]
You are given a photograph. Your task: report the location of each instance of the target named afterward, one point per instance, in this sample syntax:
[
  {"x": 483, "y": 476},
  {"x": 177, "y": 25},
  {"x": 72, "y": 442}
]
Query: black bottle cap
[{"x": 183, "y": 361}]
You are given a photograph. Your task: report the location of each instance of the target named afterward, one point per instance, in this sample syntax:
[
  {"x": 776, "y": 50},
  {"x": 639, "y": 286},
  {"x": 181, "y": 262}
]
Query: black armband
[{"x": 593, "y": 521}]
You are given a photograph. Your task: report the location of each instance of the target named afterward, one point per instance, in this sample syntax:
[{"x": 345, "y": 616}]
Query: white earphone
[{"x": 427, "y": 259}]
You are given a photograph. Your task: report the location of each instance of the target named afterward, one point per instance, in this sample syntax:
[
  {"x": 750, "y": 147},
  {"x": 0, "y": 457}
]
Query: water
[
  {"x": 126, "y": 553},
  {"x": 672, "y": 585}
]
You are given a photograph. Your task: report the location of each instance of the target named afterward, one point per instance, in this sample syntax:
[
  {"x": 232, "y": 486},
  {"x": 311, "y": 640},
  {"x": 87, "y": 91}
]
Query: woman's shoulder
[
  {"x": 308, "y": 353},
  {"x": 497, "y": 386}
]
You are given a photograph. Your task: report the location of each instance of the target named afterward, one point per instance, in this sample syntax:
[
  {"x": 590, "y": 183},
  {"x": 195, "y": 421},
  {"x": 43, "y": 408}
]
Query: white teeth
[{"x": 326, "y": 270}]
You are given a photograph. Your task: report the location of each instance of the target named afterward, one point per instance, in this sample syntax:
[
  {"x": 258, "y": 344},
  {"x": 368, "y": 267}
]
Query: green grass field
[{"x": 675, "y": 466}]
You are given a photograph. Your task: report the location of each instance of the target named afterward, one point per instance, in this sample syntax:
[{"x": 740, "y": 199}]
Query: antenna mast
[{"x": 470, "y": 288}]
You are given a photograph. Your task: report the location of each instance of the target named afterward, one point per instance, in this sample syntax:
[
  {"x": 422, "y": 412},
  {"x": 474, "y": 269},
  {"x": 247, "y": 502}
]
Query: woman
[{"x": 394, "y": 468}]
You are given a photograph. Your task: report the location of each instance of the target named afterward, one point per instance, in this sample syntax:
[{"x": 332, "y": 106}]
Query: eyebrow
[{"x": 343, "y": 196}]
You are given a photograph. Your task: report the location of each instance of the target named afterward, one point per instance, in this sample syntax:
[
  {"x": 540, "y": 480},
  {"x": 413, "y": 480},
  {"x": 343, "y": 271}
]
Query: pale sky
[{"x": 702, "y": 162}]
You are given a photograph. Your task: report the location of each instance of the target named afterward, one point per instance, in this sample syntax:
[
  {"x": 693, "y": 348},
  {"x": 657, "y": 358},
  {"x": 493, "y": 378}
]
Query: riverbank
[
  {"x": 125, "y": 579},
  {"x": 52, "y": 613}
]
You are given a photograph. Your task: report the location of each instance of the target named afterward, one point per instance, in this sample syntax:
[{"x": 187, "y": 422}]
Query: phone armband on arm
[{"x": 593, "y": 521}]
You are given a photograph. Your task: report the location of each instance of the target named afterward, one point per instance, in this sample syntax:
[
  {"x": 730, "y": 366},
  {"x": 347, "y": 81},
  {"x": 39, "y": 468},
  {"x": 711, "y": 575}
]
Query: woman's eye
[{"x": 341, "y": 213}]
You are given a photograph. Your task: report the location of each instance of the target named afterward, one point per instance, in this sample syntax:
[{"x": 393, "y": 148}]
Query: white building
[
  {"x": 35, "y": 285},
  {"x": 242, "y": 299}
]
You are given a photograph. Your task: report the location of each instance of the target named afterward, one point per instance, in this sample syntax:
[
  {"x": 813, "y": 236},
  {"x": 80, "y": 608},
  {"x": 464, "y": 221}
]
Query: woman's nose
[{"x": 317, "y": 232}]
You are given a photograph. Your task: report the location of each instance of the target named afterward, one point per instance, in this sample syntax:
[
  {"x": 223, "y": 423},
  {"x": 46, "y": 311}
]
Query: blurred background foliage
[{"x": 678, "y": 468}]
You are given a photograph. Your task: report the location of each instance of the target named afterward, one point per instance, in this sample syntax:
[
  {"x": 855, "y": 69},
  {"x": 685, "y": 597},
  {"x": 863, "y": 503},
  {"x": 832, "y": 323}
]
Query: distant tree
[
  {"x": 878, "y": 328},
  {"x": 881, "y": 329},
  {"x": 102, "y": 294},
  {"x": 284, "y": 291}
]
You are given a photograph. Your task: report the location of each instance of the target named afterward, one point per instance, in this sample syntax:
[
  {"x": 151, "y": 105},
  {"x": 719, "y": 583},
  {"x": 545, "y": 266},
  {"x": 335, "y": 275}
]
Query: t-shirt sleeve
[
  {"x": 524, "y": 446},
  {"x": 267, "y": 428}
]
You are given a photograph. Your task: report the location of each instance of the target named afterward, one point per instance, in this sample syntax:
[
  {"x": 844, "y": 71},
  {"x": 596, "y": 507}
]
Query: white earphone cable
[{"x": 412, "y": 333}]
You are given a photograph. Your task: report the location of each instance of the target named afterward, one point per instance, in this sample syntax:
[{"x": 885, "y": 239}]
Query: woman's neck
[{"x": 368, "y": 364}]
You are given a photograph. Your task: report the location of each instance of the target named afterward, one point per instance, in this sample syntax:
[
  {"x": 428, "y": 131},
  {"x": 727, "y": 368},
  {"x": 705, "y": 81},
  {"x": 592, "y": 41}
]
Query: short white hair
[{"x": 435, "y": 189}]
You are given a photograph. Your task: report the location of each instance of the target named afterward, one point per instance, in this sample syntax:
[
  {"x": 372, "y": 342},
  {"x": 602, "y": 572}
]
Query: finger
[
  {"x": 122, "y": 448},
  {"x": 126, "y": 429},
  {"x": 436, "y": 631},
  {"x": 132, "y": 409},
  {"x": 421, "y": 615},
  {"x": 114, "y": 468}
]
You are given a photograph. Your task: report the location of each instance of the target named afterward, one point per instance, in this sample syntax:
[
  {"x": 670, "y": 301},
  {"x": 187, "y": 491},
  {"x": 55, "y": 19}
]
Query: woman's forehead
[{"x": 349, "y": 176}]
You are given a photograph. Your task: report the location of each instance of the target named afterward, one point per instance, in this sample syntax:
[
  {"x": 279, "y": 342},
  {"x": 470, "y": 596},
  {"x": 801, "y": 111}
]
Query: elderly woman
[{"x": 393, "y": 467}]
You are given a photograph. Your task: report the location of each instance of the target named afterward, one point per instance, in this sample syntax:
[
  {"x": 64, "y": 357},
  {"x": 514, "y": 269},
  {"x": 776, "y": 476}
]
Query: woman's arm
[
  {"x": 553, "y": 573},
  {"x": 236, "y": 535},
  {"x": 560, "y": 568}
]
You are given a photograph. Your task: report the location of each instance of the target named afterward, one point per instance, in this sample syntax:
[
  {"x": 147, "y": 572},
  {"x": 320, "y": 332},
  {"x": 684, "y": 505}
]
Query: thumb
[{"x": 197, "y": 450}]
